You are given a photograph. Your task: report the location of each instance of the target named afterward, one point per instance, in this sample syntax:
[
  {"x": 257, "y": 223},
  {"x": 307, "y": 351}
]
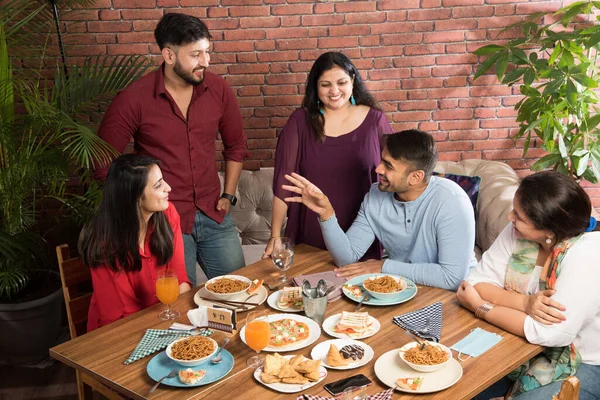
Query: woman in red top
[{"x": 135, "y": 234}]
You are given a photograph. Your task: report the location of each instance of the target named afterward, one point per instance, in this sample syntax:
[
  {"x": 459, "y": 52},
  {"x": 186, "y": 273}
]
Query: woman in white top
[{"x": 539, "y": 280}]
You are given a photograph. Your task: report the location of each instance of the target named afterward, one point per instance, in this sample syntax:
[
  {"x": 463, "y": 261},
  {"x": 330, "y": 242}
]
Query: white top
[{"x": 576, "y": 289}]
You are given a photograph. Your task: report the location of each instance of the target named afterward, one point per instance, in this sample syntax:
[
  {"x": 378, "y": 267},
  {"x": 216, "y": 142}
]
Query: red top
[
  {"x": 117, "y": 295},
  {"x": 146, "y": 112}
]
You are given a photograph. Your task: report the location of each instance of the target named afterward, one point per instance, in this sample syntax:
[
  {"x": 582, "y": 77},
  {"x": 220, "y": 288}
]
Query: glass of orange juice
[
  {"x": 167, "y": 291},
  {"x": 256, "y": 335}
]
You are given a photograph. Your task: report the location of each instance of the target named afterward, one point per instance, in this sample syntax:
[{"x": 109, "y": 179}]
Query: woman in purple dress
[{"x": 334, "y": 141}]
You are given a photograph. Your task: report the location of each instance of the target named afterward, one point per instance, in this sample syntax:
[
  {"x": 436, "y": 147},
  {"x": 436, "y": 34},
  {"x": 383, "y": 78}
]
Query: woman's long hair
[
  {"x": 112, "y": 236},
  {"x": 325, "y": 62},
  {"x": 555, "y": 202}
]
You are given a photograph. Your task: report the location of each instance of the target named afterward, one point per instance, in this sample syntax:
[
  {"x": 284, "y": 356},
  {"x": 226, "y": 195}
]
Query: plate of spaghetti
[
  {"x": 192, "y": 351},
  {"x": 431, "y": 358},
  {"x": 356, "y": 288},
  {"x": 228, "y": 287}
]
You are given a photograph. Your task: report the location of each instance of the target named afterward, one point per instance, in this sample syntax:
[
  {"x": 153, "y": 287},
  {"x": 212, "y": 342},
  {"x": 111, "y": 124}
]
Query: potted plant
[
  {"x": 555, "y": 65},
  {"x": 45, "y": 135}
]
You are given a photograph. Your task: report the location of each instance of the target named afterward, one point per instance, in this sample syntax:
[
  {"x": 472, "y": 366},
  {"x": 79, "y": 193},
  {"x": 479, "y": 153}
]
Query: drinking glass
[
  {"x": 283, "y": 255},
  {"x": 167, "y": 291},
  {"x": 257, "y": 336}
]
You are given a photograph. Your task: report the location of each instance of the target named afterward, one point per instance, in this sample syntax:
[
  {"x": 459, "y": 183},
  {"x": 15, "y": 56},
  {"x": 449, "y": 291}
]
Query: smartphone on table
[{"x": 355, "y": 381}]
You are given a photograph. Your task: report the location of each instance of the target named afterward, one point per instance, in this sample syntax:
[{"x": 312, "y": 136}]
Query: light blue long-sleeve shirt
[{"x": 429, "y": 240}]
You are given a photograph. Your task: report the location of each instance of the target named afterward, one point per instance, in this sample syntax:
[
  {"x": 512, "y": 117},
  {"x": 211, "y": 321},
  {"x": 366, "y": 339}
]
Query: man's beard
[{"x": 189, "y": 77}]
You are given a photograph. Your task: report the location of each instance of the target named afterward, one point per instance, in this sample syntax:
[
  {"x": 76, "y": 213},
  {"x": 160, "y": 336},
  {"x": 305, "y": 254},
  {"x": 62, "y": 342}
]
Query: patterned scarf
[{"x": 554, "y": 363}]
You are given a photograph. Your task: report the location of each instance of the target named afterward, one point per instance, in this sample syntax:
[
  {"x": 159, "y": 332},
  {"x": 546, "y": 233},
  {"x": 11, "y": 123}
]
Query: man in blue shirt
[{"x": 425, "y": 223}]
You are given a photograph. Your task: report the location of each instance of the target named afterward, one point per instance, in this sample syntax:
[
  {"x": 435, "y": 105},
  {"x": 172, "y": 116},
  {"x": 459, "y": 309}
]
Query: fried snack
[
  {"x": 287, "y": 372},
  {"x": 273, "y": 364},
  {"x": 335, "y": 359},
  {"x": 296, "y": 370},
  {"x": 313, "y": 377},
  {"x": 268, "y": 378},
  {"x": 294, "y": 361},
  {"x": 297, "y": 380},
  {"x": 308, "y": 366}
]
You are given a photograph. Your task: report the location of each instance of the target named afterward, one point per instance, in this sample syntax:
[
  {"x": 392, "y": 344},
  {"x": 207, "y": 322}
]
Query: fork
[
  {"x": 172, "y": 374},
  {"x": 364, "y": 297},
  {"x": 193, "y": 332}
]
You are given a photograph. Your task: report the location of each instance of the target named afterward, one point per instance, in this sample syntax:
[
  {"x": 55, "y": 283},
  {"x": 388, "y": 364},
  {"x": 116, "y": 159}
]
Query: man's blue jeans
[{"x": 215, "y": 246}]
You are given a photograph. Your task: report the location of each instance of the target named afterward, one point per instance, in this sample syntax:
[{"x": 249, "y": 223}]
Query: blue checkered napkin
[
  {"x": 153, "y": 342},
  {"x": 415, "y": 321}
]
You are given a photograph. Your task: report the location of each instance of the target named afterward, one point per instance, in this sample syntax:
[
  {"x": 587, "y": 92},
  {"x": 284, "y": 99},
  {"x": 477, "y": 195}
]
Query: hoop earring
[
  {"x": 352, "y": 101},
  {"x": 549, "y": 240}
]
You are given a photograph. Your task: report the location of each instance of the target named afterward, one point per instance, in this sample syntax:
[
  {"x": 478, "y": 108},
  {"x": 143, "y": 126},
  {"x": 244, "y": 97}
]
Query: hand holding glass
[
  {"x": 167, "y": 291},
  {"x": 257, "y": 335},
  {"x": 283, "y": 255}
]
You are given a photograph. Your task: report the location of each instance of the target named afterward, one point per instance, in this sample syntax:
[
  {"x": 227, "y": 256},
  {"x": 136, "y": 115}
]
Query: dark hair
[
  {"x": 112, "y": 236},
  {"x": 555, "y": 202},
  {"x": 176, "y": 29},
  {"x": 415, "y": 147},
  {"x": 325, "y": 62}
]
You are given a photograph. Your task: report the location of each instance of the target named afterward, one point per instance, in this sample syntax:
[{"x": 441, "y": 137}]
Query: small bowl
[
  {"x": 425, "y": 368},
  {"x": 191, "y": 363},
  {"x": 385, "y": 296},
  {"x": 228, "y": 296}
]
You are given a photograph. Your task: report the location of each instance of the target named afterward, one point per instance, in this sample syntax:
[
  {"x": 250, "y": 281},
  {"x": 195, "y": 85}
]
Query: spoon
[
  {"x": 172, "y": 374},
  {"x": 420, "y": 341},
  {"x": 306, "y": 288},
  {"x": 321, "y": 287},
  {"x": 217, "y": 358}
]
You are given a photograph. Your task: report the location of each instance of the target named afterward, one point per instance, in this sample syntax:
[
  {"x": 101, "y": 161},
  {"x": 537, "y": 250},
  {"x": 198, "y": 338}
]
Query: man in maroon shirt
[{"x": 173, "y": 114}]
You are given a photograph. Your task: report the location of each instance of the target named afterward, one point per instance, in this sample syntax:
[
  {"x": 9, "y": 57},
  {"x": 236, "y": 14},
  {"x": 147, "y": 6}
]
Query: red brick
[
  {"x": 389, "y": 74},
  {"x": 262, "y": 143},
  {"x": 507, "y": 9},
  {"x": 499, "y": 133},
  {"x": 249, "y": 11},
  {"x": 318, "y": 32},
  {"x": 255, "y": 123},
  {"x": 490, "y": 91},
  {"x": 134, "y": 3},
  {"x": 321, "y": 8},
  {"x": 369, "y": 41},
  {"x": 81, "y": 15},
  {"x": 476, "y": 35},
  {"x": 225, "y": 47},
  {"x": 356, "y": 6},
  {"x": 453, "y": 146},
  {"x": 283, "y": 101},
  {"x": 292, "y": 9},
  {"x": 418, "y": 105},
  {"x": 454, "y": 24},
  {"x": 443, "y": 37},
  {"x": 135, "y": 37},
  {"x": 261, "y": 133},
  {"x": 431, "y": 3},
  {"x": 248, "y": 69},
  {"x": 428, "y": 15},
  {"x": 456, "y": 59},
  {"x": 249, "y": 91},
  {"x": 225, "y": 23},
  {"x": 274, "y": 112},
  {"x": 222, "y": 58},
  {"x": 452, "y": 70},
  {"x": 109, "y": 26},
  {"x": 506, "y": 112},
  {"x": 196, "y": 3},
  {"x": 78, "y": 39},
  {"x": 265, "y": 45},
  {"x": 328, "y": 43},
  {"x": 414, "y": 61},
  {"x": 499, "y": 123},
  {"x": 458, "y": 125},
  {"x": 241, "y": 2},
  {"x": 215, "y": 12},
  {"x": 449, "y": 156},
  {"x": 242, "y": 80},
  {"x": 266, "y": 22},
  {"x": 278, "y": 33},
  {"x": 469, "y": 155},
  {"x": 453, "y": 114},
  {"x": 109, "y": 15},
  {"x": 401, "y": 39},
  {"x": 397, "y": 4},
  {"x": 291, "y": 20},
  {"x": 383, "y": 63},
  {"x": 365, "y": 18},
  {"x": 383, "y": 85},
  {"x": 494, "y": 144},
  {"x": 412, "y": 116},
  {"x": 255, "y": 101},
  {"x": 429, "y": 126},
  {"x": 167, "y": 3},
  {"x": 417, "y": 94},
  {"x": 424, "y": 26},
  {"x": 244, "y": 34},
  {"x": 276, "y": 79},
  {"x": 381, "y": 51},
  {"x": 395, "y": 27},
  {"x": 141, "y": 26},
  {"x": 142, "y": 14},
  {"x": 423, "y": 49},
  {"x": 106, "y": 38},
  {"x": 349, "y": 30},
  {"x": 391, "y": 95},
  {"x": 546, "y": 6},
  {"x": 296, "y": 44},
  {"x": 86, "y": 50},
  {"x": 117, "y": 49},
  {"x": 479, "y": 102},
  {"x": 300, "y": 66},
  {"x": 311, "y": 20},
  {"x": 458, "y": 3},
  {"x": 494, "y": 22},
  {"x": 394, "y": 16},
  {"x": 278, "y": 56},
  {"x": 279, "y": 90},
  {"x": 455, "y": 81},
  {"x": 422, "y": 83},
  {"x": 475, "y": 134}
]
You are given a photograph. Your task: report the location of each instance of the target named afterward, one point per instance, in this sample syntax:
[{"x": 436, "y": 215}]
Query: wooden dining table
[{"x": 101, "y": 353}]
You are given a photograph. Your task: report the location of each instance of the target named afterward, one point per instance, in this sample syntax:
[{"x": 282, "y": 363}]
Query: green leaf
[
  {"x": 533, "y": 57},
  {"x": 557, "y": 51},
  {"x": 502, "y": 65},
  {"x": 585, "y": 81},
  {"x": 514, "y": 75},
  {"x": 581, "y": 164},
  {"x": 519, "y": 54},
  {"x": 571, "y": 92},
  {"x": 562, "y": 147},
  {"x": 489, "y": 49},
  {"x": 529, "y": 77},
  {"x": 527, "y": 143},
  {"x": 553, "y": 86},
  {"x": 549, "y": 160},
  {"x": 486, "y": 65}
]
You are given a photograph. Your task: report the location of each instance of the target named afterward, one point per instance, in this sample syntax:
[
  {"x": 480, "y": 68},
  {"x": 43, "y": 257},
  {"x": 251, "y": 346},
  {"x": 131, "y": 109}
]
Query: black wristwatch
[{"x": 232, "y": 199}]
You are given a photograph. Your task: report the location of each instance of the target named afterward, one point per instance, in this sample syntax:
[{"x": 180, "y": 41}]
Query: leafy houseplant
[
  {"x": 556, "y": 67},
  {"x": 45, "y": 131}
]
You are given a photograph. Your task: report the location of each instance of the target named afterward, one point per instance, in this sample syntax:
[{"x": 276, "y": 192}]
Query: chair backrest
[
  {"x": 77, "y": 289},
  {"x": 569, "y": 389}
]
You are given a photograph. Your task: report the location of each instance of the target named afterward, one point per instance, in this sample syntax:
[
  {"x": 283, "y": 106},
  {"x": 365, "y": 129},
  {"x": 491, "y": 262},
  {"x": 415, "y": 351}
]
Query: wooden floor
[{"x": 55, "y": 381}]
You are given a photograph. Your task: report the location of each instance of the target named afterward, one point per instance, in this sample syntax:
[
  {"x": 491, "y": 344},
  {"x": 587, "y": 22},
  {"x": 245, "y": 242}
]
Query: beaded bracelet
[
  {"x": 324, "y": 220},
  {"x": 483, "y": 309}
]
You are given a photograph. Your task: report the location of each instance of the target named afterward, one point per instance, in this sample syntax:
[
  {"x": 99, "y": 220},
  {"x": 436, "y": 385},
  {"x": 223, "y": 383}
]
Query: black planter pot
[{"x": 29, "y": 329}]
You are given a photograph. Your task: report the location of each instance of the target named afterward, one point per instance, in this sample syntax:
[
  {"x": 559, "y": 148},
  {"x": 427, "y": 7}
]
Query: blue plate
[
  {"x": 403, "y": 296},
  {"x": 161, "y": 365}
]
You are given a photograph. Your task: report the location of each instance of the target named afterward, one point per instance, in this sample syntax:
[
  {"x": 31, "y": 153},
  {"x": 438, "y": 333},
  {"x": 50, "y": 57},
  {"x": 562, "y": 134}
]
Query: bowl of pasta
[
  {"x": 192, "y": 351},
  {"x": 431, "y": 358},
  {"x": 228, "y": 287},
  {"x": 384, "y": 287}
]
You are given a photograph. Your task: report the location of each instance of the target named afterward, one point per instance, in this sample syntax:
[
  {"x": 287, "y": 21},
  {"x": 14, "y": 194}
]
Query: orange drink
[
  {"x": 167, "y": 289},
  {"x": 257, "y": 335}
]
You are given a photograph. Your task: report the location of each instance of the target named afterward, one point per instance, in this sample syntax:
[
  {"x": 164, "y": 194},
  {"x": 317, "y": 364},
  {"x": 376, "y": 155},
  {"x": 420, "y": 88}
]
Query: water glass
[{"x": 283, "y": 255}]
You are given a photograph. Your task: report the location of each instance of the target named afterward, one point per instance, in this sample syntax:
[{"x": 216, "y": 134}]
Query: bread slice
[
  {"x": 291, "y": 297},
  {"x": 353, "y": 322}
]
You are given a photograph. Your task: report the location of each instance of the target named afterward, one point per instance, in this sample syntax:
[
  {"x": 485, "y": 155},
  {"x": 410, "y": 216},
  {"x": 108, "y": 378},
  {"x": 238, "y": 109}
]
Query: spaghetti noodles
[
  {"x": 430, "y": 355},
  {"x": 192, "y": 348},
  {"x": 383, "y": 284},
  {"x": 227, "y": 285}
]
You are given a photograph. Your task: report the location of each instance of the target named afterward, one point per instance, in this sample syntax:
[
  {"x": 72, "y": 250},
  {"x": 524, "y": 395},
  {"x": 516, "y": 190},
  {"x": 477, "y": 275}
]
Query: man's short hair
[
  {"x": 414, "y": 147},
  {"x": 179, "y": 29}
]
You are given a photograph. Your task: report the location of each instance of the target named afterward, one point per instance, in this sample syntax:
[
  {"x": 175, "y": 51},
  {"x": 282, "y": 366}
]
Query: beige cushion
[{"x": 252, "y": 214}]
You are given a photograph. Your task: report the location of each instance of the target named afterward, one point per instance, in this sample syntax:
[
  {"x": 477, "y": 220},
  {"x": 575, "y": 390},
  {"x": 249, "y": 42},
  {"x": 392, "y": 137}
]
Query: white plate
[
  {"x": 330, "y": 323},
  {"x": 320, "y": 352},
  {"x": 289, "y": 387},
  {"x": 274, "y": 298},
  {"x": 314, "y": 334},
  {"x": 260, "y": 298},
  {"x": 390, "y": 367}
]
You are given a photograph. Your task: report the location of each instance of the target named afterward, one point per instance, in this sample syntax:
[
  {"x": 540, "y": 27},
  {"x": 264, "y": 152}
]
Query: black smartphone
[{"x": 338, "y": 387}]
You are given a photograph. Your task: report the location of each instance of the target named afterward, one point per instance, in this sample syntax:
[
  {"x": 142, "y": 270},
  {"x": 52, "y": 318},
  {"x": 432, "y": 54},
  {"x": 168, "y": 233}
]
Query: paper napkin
[
  {"x": 157, "y": 339},
  {"x": 414, "y": 321},
  {"x": 329, "y": 277},
  {"x": 385, "y": 395}
]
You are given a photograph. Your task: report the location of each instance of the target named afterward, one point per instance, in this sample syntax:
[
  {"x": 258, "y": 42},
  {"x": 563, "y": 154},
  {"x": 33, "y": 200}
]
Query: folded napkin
[
  {"x": 385, "y": 395},
  {"x": 329, "y": 277},
  {"x": 152, "y": 341},
  {"x": 414, "y": 321}
]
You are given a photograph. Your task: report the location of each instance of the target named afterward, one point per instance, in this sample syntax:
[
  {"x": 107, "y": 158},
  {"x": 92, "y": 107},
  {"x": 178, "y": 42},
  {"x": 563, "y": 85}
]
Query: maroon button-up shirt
[{"x": 146, "y": 113}]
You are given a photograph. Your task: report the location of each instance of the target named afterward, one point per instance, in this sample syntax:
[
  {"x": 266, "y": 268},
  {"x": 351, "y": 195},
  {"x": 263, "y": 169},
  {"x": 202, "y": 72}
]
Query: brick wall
[{"x": 413, "y": 54}]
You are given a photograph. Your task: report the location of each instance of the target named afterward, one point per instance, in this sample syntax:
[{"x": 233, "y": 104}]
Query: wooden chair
[
  {"x": 569, "y": 389},
  {"x": 77, "y": 289}
]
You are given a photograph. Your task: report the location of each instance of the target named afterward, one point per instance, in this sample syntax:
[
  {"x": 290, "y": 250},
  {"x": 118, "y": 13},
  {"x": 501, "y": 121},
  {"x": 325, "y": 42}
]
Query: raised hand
[
  {"x": 543, "y": 309},
  {"x": 310, "y": 195}
]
